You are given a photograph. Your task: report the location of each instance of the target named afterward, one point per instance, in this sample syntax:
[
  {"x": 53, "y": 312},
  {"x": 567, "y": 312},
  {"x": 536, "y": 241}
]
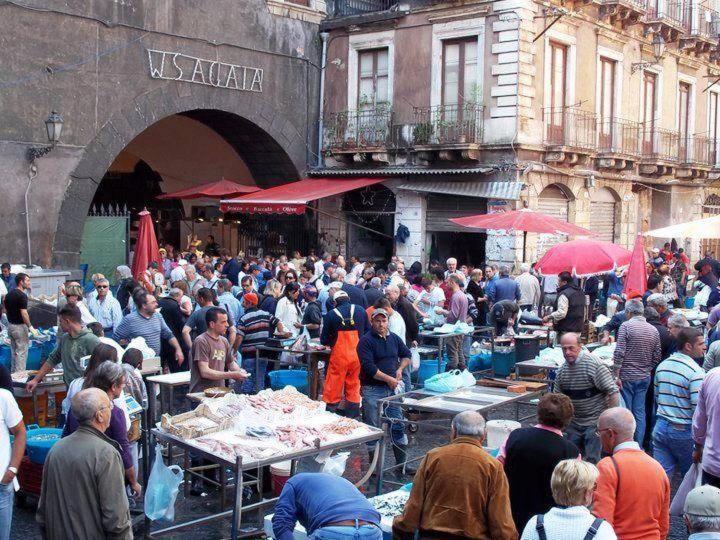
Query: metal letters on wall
[{"x": 174, "y": 66}]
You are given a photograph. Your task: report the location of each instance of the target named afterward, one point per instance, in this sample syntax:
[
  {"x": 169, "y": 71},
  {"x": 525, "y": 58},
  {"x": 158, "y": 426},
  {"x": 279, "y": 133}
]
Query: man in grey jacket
[{"x": 83, "y": 487}]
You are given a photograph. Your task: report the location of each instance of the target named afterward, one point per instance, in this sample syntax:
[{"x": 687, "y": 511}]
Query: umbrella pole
[{"x": 524, "y": 245}]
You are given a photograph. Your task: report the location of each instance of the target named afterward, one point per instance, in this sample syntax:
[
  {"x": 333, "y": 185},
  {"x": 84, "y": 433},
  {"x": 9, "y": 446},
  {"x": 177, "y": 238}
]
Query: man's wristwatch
[{"x": 12, "y": 470}]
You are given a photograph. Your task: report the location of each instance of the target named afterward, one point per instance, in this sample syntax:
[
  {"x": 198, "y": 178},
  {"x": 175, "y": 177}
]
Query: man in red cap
[{"x": 254, "y": 328}]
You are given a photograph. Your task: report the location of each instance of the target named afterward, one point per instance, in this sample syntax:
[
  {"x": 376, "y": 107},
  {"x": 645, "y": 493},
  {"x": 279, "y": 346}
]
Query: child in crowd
[{"x": 134, "y": 385}]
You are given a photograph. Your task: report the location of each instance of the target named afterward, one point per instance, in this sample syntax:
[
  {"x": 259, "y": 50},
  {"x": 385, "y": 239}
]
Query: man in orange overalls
[{"x": 342, "y": 329}]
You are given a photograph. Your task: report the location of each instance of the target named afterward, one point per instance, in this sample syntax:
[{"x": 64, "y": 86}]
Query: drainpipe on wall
[{"x": 323, "y": 59}]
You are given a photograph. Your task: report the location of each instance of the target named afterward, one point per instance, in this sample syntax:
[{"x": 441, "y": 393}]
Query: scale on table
[{"x": 280, "y": 343}]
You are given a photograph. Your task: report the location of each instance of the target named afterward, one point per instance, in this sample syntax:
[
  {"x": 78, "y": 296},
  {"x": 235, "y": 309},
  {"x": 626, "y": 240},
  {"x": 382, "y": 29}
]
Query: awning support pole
[{"x": 334, "y": 216}]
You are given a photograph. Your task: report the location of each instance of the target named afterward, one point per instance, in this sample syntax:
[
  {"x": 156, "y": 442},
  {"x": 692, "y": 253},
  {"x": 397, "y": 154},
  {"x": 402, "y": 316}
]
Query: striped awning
[{"x": 486, "y": 190}]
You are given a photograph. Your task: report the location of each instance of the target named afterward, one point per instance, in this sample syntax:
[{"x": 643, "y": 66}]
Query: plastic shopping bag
[
  {"x": 445, "y": 382},
  {"x": 414, "y": 359},
  {"x": 162, "y": 489},
  {"x": 336, "y": 464},
  {"x": 468, "y": 378},
  {"x": 693, "y": 479}
]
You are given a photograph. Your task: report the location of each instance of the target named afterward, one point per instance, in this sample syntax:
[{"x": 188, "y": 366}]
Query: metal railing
[
  {"x": 619, "y": 136},
  {"x": 570, "y": 127},
  {"x": 640, "y": 5},
  {"x": 660, "y": 144},
  {"x": 345, "y": 8},
  {"x": 448, "y": 124},
  {"x": 659, "y": 10},
  {"x": 699, "y": 21},
  {"x": 698, "y": 150},
  {"x": 362, "y": 128}
]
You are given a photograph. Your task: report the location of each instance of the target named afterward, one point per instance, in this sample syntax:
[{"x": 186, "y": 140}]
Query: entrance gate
[{"x": 105, "y": 240}]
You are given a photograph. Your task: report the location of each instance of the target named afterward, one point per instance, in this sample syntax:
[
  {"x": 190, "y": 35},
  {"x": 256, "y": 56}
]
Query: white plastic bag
[
  {"x": 140, "y": 344},
  {"x": 162, "y": 489},
  {"x": 414, "y": 359},
  {"x": 693, "y": 478},
  {"x": 468, "y": 378},
  {"x": 336, "y": 464}
]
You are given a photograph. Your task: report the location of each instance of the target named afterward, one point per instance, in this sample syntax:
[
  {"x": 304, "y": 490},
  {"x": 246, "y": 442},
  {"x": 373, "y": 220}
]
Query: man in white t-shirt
[{"x": 11, "y": 422}]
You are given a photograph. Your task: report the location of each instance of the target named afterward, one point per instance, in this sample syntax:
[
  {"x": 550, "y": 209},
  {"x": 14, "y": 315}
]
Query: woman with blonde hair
[
  {"x": 273, "y": 291},
  {"x": 572, "y": 485}
]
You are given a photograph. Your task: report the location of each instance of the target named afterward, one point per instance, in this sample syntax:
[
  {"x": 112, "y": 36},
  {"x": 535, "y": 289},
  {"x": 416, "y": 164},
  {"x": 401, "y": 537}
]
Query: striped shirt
[
  {"x": 255, "y": 327},
  {"x": 152, "y": 329},
  {"x": 587, "y": 383},
  {"x": 677, "y": 383},
  {"x": 637, "y": 351}
]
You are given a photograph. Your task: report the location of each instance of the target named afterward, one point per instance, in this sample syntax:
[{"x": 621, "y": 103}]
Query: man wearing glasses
[
  {"x": 591, "y": 388},
  {"x": 105, "y": 308}
]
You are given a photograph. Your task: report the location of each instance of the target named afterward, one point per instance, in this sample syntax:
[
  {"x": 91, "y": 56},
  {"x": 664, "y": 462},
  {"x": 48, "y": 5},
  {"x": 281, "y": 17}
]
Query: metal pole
[
  {"x": 237, "y": 509},
  {"x": 32, "y": 173},
  {"x": 321, "y": 112}
]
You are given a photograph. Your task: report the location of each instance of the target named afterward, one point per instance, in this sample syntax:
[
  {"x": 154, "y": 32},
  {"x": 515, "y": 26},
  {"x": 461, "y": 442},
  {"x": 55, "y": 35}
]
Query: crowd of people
[{"x": 654, "y": 413}]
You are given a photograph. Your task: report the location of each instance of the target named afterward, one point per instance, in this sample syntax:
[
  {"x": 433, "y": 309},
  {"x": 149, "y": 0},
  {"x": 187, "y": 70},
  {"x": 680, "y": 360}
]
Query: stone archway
[{"x": 274, "y": 149}]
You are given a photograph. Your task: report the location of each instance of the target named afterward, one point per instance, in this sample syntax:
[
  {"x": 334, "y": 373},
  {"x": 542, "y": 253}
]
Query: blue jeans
[
  {"x": 7, "y": 495},
  {"x": 633, "y": 394},
  {"x": 672, "y": 446},
  {"x": 248, "y": 385},
  {"x": 370, "y": 396},
  {"x": 347, "y": 532},
  {"x": 586, "y": 439}
]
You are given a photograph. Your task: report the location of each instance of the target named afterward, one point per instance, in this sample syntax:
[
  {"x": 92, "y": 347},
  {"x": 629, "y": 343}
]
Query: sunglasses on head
[{"x": 101, "y": 287}]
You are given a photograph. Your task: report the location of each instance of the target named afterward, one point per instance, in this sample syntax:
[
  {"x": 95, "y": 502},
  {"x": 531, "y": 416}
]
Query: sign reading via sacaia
[{"x": 174, "y": 66}]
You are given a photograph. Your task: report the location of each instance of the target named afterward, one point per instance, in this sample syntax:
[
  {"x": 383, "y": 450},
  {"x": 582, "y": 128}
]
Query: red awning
[
  {"x": 213, "y": 190},
  {"x": 293, "y": 198}
]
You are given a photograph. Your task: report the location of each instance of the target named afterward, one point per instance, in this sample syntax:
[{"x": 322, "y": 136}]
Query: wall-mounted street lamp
[
  {"x": 658, "y": 45},
  {"x": 53, "y": 126}
]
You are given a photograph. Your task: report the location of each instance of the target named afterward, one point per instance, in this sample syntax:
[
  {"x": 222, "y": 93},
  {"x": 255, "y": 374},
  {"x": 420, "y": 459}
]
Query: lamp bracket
[
  {"x": 35, "y": 152},
  {"x": 637, "y": 66}
]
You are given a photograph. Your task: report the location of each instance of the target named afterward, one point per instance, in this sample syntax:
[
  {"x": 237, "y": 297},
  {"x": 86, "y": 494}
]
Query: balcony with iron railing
[
  {"x": 659, "y": 145},
  {"x": 619, "y": 136},
  {"x": 701, "y": 25},
  {"x": 626, "y": 12},
  {"x": 358, "y": 130},
  {"x": 571, "y": 128},
  {"x": 347, "y": 8},
  {"x": 697, "y": 151},
  {"x": 665, "y": 18},
  {"x": 447, "y": 125}
]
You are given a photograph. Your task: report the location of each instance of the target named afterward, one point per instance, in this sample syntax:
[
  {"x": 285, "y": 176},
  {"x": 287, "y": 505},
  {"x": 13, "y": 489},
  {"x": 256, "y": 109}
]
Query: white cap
[
  {"x": 182, "y": 262},
  {"x": 340, "y": 294},
  {"x": 335, "y": 285}
]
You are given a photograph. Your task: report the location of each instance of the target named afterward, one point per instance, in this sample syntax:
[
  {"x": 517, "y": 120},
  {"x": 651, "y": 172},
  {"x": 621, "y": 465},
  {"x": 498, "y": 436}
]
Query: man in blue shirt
[
  {"x": 383, "y": 357},
  {"x": 328, "y": 506},
  {"x": 505, "y": 288},
  {"x": 231, "y": 268}
]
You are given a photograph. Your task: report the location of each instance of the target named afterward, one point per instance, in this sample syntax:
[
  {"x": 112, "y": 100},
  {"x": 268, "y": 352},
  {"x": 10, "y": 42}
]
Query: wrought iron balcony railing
[
  {"x": 638, "y": 5},
  {"x": 362, "y": 128},
  {"x": 698, "y": 150},
  {"x": 345, "y": 8},
  {"x": 448, "y": 124},
  {"x": 660, "y": 144},
  {"x": 700, "y": 22},
  {"x": 665, "y": 10},
  {"x": 619, "y": 136},
  {"x": 570, "y": 127}
]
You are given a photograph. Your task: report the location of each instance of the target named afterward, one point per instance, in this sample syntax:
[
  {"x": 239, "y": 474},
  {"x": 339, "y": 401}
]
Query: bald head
[
  {"x": 616, "y": 425},
  {"x": 86, "y": 405}
]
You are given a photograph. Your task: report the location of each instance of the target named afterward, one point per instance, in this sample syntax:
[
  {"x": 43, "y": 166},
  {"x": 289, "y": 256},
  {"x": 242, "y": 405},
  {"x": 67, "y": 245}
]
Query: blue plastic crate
[
  {"x": 5, "y": 356},
  {"x": 34, "y": 359},
  {"x": 503, "y": 363},
  {"x": 298, "y": 378}
]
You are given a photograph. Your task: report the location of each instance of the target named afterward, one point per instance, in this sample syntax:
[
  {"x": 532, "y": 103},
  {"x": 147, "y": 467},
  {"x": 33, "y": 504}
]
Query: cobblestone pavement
[{"x": 427, "y": 437}]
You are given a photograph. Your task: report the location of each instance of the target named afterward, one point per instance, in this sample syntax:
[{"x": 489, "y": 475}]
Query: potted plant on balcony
[{"x": 422, "y": 133}]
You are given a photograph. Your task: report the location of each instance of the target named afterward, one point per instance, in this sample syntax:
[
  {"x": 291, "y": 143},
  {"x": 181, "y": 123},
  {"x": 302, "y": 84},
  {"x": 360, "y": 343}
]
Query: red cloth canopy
[
  {"x": 522, "y": 220},
  {"x": 213, "y": 190},
  {"x": 583, "y": 257},
  {"x": 636, "y": 278},
  {"x": 293, "y": 198},
  {"x": 146, "y": 247}
]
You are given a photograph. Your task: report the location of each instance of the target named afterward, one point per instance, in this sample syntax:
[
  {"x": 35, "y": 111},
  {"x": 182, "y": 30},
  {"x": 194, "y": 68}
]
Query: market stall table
[
  {"x": 482, "y": 331},
  {"x": 241, "y": 435},
  {"x": 306, "y": 357},
  {"x": 441, "y": 407},
  {"x": 52, "y": 384},
  {"x": 169, "y": 381}
]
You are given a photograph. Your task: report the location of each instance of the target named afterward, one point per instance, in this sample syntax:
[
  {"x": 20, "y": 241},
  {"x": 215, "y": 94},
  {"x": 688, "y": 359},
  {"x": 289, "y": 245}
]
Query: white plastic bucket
[{"x": 498, "y": 431}]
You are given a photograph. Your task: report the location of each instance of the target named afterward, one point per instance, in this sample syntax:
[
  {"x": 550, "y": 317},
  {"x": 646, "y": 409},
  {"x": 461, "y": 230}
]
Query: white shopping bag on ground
[{"x": 693, "y": 478}]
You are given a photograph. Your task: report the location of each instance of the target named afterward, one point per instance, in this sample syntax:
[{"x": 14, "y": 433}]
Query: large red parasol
[
  {"x": 146, "y": 247},
  {"x": 214, "y": 190},
  {"x": 583, "y": 257},
  {"x": 636, "y": 279},
  {"x": 522, "y": 220}
]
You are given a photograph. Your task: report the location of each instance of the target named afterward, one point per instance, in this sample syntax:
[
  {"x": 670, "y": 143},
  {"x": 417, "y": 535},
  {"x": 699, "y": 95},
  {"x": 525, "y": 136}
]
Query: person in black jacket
[
  {"x": 530, "y": 455},
  {"x": 372, "y": 291},
  {"x": 170, "y": 311},
  {"x": 709, "y": 269},
  {"x": 406, "y": 310},
  {"x": 569, "y": 313}
]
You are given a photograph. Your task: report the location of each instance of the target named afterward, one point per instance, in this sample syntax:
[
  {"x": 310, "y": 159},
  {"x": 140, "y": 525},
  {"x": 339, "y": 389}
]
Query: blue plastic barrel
[
  {"x": 479, "y": 362},
  {"x": 5, "y": 356},
  {"x": 503, "y": 363},
  {"x": 34, "y": 359},
  {"x": 427, "y": 369},
  {"x": 289, "y": 377},
  {"x": 689, "y": 302},
  {"x": 40, "y": 441}
]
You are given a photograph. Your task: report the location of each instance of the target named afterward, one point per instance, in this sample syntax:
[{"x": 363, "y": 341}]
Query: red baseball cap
[{"x": 251, "y": 298}]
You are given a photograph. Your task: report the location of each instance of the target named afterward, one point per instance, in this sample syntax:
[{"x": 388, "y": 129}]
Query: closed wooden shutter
[
  {"x": 440, "y": 208},
  {"x": 711, "y": 208},
  {"x": 602, "y": 214},
  {"x": 553, "y": 202}
]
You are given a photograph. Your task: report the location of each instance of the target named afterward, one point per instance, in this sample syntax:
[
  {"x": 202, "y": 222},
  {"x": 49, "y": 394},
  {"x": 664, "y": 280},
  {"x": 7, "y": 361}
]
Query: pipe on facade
[
  {"x": 32, "y": 173},
  {"x": 321, "y": 113}
]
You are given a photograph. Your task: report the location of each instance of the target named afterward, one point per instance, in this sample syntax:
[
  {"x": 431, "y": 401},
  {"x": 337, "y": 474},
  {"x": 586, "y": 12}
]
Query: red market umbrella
[
  {"x": 522, "y": 220},
  {"x": 146, "y": 247},
  {"x": 636, "y": 278},
  {"x": 214, "y": 190},
  {"x": 583, "y": 257}
]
